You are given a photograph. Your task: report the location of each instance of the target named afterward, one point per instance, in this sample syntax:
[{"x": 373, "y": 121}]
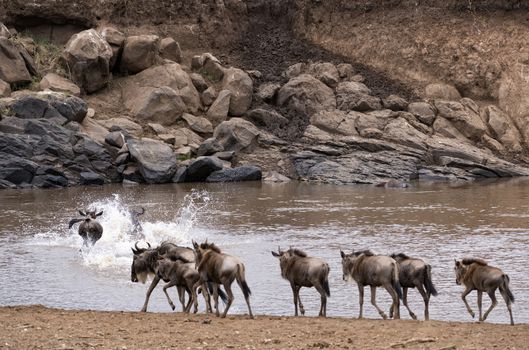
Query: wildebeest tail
[
  {"x": 222, "y": 295},
  {"x": 242, "y": 281},
  {"x": 395, "y": 282},
  {"x": 428, "y": 284},
  {"x": 505, "y": 287}
]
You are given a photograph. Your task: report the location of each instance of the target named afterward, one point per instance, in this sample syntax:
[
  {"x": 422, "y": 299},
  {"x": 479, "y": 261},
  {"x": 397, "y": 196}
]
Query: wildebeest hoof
[
  {"x": 413, "y": 316},
  {"x": 384, "y": 316},
  {"x": 472, "y": 314}
]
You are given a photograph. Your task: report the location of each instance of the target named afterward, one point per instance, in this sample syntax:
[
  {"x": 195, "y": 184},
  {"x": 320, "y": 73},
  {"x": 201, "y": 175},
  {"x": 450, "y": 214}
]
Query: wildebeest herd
[{"x": 205, "y": 268}]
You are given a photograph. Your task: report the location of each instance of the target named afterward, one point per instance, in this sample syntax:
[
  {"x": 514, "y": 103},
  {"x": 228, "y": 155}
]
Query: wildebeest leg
[
  {"x": 361, "y": 300},
  {"x": 295, "y": 292},
  {"x": 190, "y": 301},
  {"x": 215, "y": 287},
  {"x": 374, "y": 302},
  {"x": 492, "y": 295},
  {"x": 227, "y": 288},
  {"x": 246, "y": 298},
  {"x": 426, "y": 298},
  {"x": 323, "y": 304},
  {"x": 405, "y": 302},
  {"x": 181, "y": 297},
  {"x": 169, "y": 285},
  {"x": 505, "y": 296},
  {"x": 395, "y": 305},
  {"x": 301, "y": 307},
  {"x": 464, "y": 297},
  {"x": 206, "y": 295},
  {"x": 480, "y": 299},
  {"x": 153, "y": 285},
  {"x": 194, "y": 295}
]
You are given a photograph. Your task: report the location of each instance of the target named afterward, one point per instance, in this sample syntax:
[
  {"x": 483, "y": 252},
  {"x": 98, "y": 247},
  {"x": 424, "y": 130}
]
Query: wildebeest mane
[
  {"x": 400, "y": 255},
  {"x": 298, "y": 252},
  {"x": 179, "y": 258},
  {"x": 210, "y": 246},
  {"x": 469, "y": 261},
  {"x": 364, "y": 252}
]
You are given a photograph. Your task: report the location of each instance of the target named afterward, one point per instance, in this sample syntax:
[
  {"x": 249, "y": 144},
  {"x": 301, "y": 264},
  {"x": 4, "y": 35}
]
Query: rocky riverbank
[{"x": 121, "y": 104}]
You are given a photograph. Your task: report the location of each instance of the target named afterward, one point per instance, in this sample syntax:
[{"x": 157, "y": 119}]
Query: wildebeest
[
  {"x": 368, "y": 269},
  {"x": 476, "y": 274},
  {"x": 145, "y": 262},
  {"x": 89, "y": 229},
  {"x": 217, "y": 268},
  {"x": 137, "y": 229},
  {"x": 304, "y": 271},
  {"x": 415, "y": 273}
]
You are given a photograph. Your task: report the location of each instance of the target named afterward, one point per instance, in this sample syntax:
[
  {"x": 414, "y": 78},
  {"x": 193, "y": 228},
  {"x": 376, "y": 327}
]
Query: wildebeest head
[
  {"x": 349, "y": 260},
  {"x": 201, "y": 249},
  {"x": 287, "y": 257},
  {"x": 144, "y": 263},
  {"x": 460, "y": 270},
  {"x": 87, "y": 216}
]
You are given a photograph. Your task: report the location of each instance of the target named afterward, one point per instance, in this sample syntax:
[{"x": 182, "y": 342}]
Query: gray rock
[
  {"x": 29, "y": 107},
  {"x": 5, "y": 89},
  {"x": 170, "y": 50},
  {"x": 236, "y": 134},
  {"x": 180, "y": 175},
  {"x": 72, "y": 108},
  {"x": 49, "y": 181},
  {"x": 209, "y": 146},
  {"x": 423, "y": 111},
  {"x": 199, "y": 82},
  {"x": 90, "y": 178},
  {"x": 198, "y": 124},
  {"x": 268, "y": 91},
  {"x": 345, "y": 70},
  {"x": 465, "y": 117},
  {"x": 225, "y": 155},
  {"x": 441, "y": 91},
  {"x": 306, "y": 95},
  {"x": 354, "y": 96},
  {"x": 242, "y": 173},
  {"x": 218, "y": 112},
  {"x": 156, "y": 160},
  {"x": 139, "y": 53},
  {"x": 115, "y": 138},
  {"x": 200, "y": 168},
  {"x": 395, "y": 103},
  {"x": 13, "y": 68},
  {"x": 266, "y": 118},
  {"x": 241, "y": 87},
  {"x": 208, "y": 96},
  {"x": 326, "y": 72}
]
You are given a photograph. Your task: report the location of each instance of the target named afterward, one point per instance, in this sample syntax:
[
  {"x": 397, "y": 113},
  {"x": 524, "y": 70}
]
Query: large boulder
[
  {"x": 465, "y": 117},
  {"x": 13, "y": 69},
  {"x": 355, "y": 96},
  {"x": 267, "y": 118},
  {"x": 326, "y": 72},
  {"x": 198, "y": 124},
  {"x": 156, "y": 160},
  {"x": 503, "y": 128},
  {"x": 87, "y": 57},
  {"x": 200, "y": 168},
  {"x": 236, "y": 134},
  {"x": 115, "y": 39},
  {"x": 5, "y": 89},
  {"x": 139, "y": 53},
  {"x": 441, "y": 91},
  {"x": 161, "y": 105},
  {"x": 170, "y": 50},
  {"x": 335, "y": 121},
  {"x": 122, "y": 124},
  {"x": 218, "y": 111},
  {"x": 240, "y": 85},
  {"x": 137, "y": 90},
  {"x": 423, "y": 111},
  {"x": 306, "y": 95},
  {"x": 242, "y": 173},
  {"x": 55, "y": 82}
]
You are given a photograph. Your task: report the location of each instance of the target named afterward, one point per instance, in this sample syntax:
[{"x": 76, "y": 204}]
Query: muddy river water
[{"x": 41, "y": 261}]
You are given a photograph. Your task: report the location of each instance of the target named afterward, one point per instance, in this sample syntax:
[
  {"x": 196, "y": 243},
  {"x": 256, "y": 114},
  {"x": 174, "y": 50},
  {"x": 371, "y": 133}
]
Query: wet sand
[{"x": 38, "y": 327}]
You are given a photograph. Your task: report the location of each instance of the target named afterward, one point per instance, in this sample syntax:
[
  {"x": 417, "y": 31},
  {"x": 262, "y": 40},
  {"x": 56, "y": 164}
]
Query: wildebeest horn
[
  {"x": 99, "y": 214},
  {"x": 148, "y": 244},
  {"x": 82, "y": 212},
  {"x": 136, "y": 246},
  {"x": 142, "y": 211}
]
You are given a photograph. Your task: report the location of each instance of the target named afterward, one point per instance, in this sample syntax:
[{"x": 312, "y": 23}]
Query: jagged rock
[
  {"x": 465, "y": 117},
  {"x": 72, "y": 108},
  {"x": 200, "y": 168},
  {"x": 55, "y": 82},
  {"x": 212, "y": 69},
  {"x": 326, "y": 72},
  {"x": 492, "y": 144},
  {"x": 5, "y": 89},
  {"x": 306, "y": 95},
  {"x": 49, "y": 181},
  {"x": 354, "y": 96},
  {"x": 198, "y": 124},
  {"x": 90, "y": 178},
  {"x": 335, "y": 121},
  {"x": 139, "y": 53},
  {"x": 440, "y": 91},
  {"x": 156, "y": 160},
  {"x": 225, "y": 155},
  {"x": 209, "y": 147},
  {"x": 236, "y": 134},
  {"x": 157, "y": 128},
  {"x": 371, "y": 133},
  {"x": 4, "y": 32},
  {"x": 345, "y": 70},
  {"x": 140, "y": 86},
  {"x": 168, "y": 138},
  {"x": 395, "y": 103},
  {"x": 115, "y": 138},
  {"x": 87, "y": 57},
  {"x": 208, "y": 96},
  {"x": 131, "y": 172},
  {"x": 198, "y": 81},
  {"x": 274, "y": 176},
  {"x": 30, "y": 107},
  {"x": 218, "y": 112},
  {"x": 423, "y": 111},
  {"x": 267, "y": 118},
  {"x": 162, "y": 105},
  {"x": 185, "y": 136},
  {"x": 374, "y": 119},
  {"x": 115, "y": 39},
  {"x": 118, "y": 124},
  {"x": 242, "y": 173},
  {"x": 170, "y": 50},
  {"x": 254, "y": 74},
  {"x": 503, "y": 129},
  {"x": 443, "y": 127},
  {"x": 183, "y": 152},
  {"x": 267, "y": 92},
  {"x": 295, "y": 70},
  {"x": 401, "y": 132},
  {"x": 241, "y": 87},
  {"x": 13, "y": 69}
]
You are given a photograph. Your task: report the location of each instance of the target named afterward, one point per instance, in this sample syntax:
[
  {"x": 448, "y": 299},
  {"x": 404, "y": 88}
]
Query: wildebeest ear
[
  {"x": 100, "y": 213},
  {"x": 195, "y": 244},
  {"x": 82, "y": 212},
  {"x": 275, "y": 254},
  {"x": 134, "y": 251},
  {"x": 457, "y": 263},
  {"x": 342, "y": 254}
]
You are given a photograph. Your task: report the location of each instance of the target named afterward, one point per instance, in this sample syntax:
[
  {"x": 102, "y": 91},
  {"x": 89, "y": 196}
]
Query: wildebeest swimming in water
[
  {"x": 304, "y": 271},
  {"x": 415, "y": 273},
  {"x": 89, "y": 229},
  {"x": 368, "y": 269},
  {"x": 137, "y": 228},
  {"x": 476, "y": 274}
]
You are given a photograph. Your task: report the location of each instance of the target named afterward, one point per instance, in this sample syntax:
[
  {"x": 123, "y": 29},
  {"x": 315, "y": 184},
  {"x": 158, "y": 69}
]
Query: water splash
[{"x": 113, "y": 250}]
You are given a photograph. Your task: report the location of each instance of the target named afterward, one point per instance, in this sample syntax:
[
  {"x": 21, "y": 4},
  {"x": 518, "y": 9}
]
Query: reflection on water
[{"x": 438, "y": 222}]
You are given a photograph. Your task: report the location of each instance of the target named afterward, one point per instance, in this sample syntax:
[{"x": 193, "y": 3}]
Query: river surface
[{"x": 41, "y": 261}]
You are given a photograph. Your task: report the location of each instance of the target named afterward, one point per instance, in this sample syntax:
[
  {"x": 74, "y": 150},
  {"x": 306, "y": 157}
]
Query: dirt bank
[{"x": 37, "y": 327}]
